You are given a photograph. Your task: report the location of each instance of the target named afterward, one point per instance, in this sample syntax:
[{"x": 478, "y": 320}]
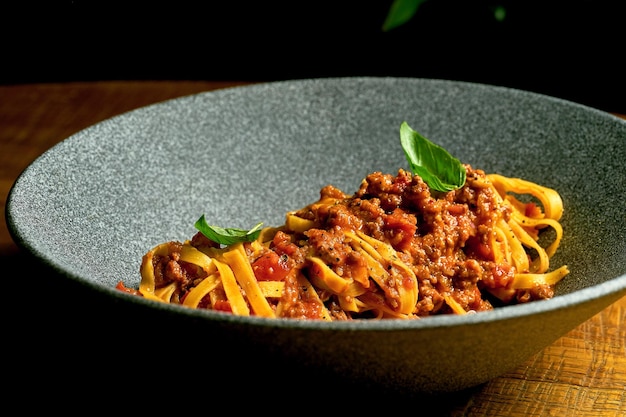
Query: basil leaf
[
  {"x": 440, "y": 170},
  {"x": 400, "y": 12},
  {"x": 227, "y": 236}
]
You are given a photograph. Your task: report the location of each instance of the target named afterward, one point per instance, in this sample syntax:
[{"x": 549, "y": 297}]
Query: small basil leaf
[
  {"x": 227, "y": 236},
  {"x": 400, "y": 12},
  {"x": 440, "y": 170}
]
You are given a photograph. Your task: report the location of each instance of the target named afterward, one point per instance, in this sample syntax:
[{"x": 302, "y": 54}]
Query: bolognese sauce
[{"x": 393, "y": 249}]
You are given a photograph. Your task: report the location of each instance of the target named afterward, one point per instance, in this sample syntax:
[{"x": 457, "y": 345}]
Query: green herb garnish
[
  {"x": 440, "y": 170},
  {"x": 227, "y": 236},
  {"x": 400, "y": 12}
]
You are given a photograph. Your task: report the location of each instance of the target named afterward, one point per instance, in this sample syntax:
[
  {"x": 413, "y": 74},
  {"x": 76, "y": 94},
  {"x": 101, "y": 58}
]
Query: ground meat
[{"x": 170, "y": 268}]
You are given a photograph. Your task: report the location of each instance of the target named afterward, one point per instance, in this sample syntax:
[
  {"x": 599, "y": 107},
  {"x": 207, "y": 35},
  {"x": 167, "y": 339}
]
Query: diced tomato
[
  {"x": 283, "y": 245},
  {"x": 223, "y": 305},
  {"x": 502, "y": 274},
  {"x": 270, "y": 267},
  {"x": 532, "y": 210},
  {"x": 400, "y": 228},
  {"x": 120, "y": 286}
]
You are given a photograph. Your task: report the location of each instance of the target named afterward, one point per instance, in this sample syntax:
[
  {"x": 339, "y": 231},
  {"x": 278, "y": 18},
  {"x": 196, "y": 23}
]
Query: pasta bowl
[{"x": 88, "y": 209}]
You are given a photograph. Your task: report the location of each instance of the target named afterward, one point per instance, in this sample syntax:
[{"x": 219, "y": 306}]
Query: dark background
[{"x": 568, "y": 49}]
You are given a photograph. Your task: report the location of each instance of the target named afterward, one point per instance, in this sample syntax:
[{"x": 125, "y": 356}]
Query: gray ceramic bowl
[{"x": 91, "y": 206}]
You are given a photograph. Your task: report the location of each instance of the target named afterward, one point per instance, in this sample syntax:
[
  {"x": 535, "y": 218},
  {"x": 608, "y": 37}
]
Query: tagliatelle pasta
[{"x": 394, "y": 249}]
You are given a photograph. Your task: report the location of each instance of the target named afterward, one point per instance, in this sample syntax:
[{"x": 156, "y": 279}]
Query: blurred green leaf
[
  {"x": 400, "y": 12},
  {"x": 499, "y": 13}
]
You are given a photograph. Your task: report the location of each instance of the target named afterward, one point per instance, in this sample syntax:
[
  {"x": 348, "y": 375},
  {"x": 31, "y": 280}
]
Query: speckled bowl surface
[{"x": 91, "y": 206}]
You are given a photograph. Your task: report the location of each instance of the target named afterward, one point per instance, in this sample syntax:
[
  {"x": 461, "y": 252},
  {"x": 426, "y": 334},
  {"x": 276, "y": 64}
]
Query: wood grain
[{"x": 582, "y": 374}]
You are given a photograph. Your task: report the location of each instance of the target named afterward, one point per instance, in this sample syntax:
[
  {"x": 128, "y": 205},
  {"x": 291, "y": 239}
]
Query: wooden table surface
[{"x": 581, "y": 374}]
